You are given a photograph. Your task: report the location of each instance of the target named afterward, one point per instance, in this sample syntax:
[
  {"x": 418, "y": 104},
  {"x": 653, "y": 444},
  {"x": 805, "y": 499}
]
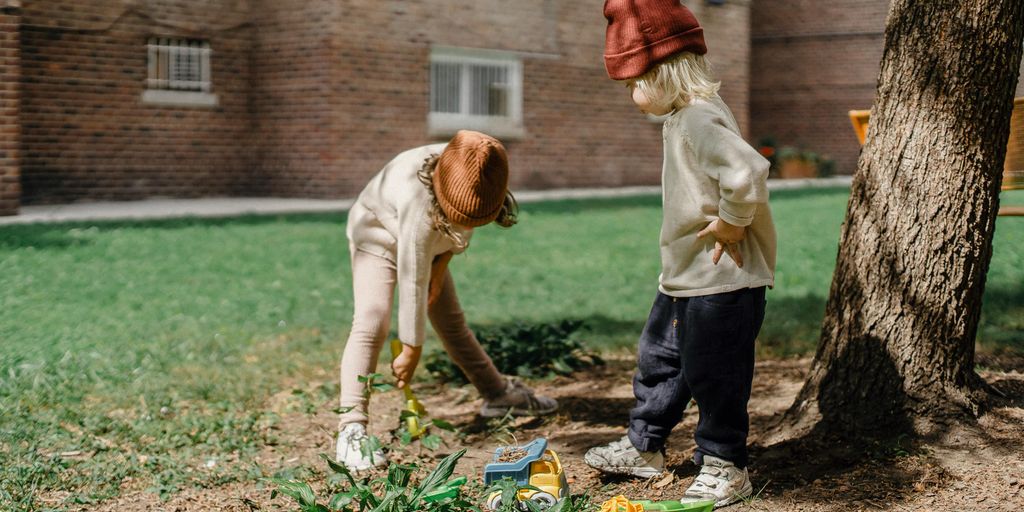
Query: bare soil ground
[{"x": 983, "y": 472}]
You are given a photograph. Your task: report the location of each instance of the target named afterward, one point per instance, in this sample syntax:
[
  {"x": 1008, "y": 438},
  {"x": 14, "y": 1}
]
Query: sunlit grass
[{"x": 149, "y": 348}]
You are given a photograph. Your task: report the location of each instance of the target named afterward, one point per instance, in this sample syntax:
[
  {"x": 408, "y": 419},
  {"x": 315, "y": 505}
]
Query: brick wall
[
  {"x": 813, "y": 62},
  {"x": 10, "y": 191},
  {"x": 1013, "y": 168},
  {"x": 315, "y": 96},
  {"x": 1015, "y": 148},
  {"x": 298, "y": 149},
  {"x": 86, "y": 132},
  {"x": 727, "y": 32},
  {"x": 1020, "y": 81},
  {"x": 581, "y": 129}
]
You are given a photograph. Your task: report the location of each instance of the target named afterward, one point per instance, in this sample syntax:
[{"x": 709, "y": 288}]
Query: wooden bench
[{"x": 1013, "y": 166}]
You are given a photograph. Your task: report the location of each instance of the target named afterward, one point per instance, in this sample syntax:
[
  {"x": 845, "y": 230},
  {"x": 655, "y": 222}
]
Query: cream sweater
[
  {"x": 710, "y": 171},
  {"x": 391, "y": 219}
]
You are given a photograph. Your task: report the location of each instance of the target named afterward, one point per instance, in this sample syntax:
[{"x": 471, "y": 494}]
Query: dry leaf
[{"x": 664, "y": 481}]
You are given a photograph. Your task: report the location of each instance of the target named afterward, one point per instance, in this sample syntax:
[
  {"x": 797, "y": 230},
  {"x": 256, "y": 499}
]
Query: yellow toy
[
  {"x": 536, "y": 466},
  {"x": 412, "y": 421},
  {"x": 622, "y": 504}
]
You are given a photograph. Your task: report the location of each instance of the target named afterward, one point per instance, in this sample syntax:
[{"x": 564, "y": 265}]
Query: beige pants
[{"x": 373, "y": 284}]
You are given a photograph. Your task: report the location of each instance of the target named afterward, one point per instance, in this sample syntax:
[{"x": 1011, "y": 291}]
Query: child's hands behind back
[{"x": 727, "y": 238}]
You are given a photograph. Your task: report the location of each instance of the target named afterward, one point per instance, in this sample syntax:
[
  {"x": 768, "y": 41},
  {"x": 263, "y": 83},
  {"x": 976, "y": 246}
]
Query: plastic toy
[
  {"x": 622, "y": 504},
  {"x": 412, "y": 421},
  {"x": 448, "y": 490},
  {"x": 538, "y": 467}
]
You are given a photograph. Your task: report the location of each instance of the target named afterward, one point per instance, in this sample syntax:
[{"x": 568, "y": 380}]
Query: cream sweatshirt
[
  {"x": 391, "y": 219},
  {"x": 710, "y": 171}
]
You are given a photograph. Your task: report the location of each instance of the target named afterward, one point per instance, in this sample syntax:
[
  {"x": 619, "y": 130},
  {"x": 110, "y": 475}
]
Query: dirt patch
[
  {"x": 512, "y": 455},
  {"x": 813, "y": 475}
]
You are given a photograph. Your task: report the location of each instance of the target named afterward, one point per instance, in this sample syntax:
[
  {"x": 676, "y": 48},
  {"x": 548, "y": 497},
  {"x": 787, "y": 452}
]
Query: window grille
[
  {"x": 179, "y": 65},
  {"x": 475, "y": 90}
]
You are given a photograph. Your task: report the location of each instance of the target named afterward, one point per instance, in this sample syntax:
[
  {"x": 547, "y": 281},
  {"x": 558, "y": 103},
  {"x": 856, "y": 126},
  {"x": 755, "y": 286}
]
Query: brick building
[
  {"x": 127, "y": 99},
  {"x": 10, "y": 190},
  {"x": 812, "y": 61}
]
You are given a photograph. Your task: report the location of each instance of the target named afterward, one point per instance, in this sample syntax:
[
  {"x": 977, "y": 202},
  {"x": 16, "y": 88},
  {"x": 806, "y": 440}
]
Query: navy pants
[{"x": 700, "y": 348}]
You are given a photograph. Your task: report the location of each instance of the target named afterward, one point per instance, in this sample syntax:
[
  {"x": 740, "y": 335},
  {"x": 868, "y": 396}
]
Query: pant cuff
[
  {"x": 740, "y": 461},
  {"x": 645, "y": 444}
]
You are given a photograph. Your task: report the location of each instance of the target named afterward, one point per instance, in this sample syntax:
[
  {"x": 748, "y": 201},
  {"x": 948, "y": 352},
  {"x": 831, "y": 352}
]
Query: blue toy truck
[{"x": 539, "y": 468}]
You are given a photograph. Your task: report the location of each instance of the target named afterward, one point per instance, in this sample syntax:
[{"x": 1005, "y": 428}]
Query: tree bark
[{"x": 897, "y": 343}]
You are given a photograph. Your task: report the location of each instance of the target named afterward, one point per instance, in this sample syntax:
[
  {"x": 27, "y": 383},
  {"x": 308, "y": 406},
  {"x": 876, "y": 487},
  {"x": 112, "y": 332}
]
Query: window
[
  {"x": 477, "y": 90},
  {"x": 178, "y": 72}
]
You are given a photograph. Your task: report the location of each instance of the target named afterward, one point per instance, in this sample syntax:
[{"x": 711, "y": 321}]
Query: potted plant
[{"x": 794, "y": 163}]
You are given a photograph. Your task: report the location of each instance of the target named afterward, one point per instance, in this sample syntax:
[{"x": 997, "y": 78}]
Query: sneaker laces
[
  {"x": 350, "y": 434},
  {"x": 622, "y": 445}
]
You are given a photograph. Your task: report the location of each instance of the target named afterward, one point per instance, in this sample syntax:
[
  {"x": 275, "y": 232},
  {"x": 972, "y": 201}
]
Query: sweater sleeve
[
  {"x": 741, "y": 172},
  {"x": 413, "y": 273}
]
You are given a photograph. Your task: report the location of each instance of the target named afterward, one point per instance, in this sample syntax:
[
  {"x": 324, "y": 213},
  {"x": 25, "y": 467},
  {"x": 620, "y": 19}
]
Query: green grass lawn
[{"x": 154, "y": 346}]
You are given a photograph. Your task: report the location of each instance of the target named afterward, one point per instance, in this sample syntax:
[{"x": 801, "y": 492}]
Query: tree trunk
[{"x": 897, "y": 343}]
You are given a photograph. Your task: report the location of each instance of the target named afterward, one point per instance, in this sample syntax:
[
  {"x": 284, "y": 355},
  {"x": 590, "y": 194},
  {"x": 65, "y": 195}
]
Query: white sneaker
[
  {"x": 519, "y": 400},
  {"x": 350, "y": 449},
  {"x": 620, "y": 457},
  {"x": 719, "y": 480}
]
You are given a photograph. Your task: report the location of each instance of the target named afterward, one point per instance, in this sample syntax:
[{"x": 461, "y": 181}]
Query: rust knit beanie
[
  {"x": 471, "y": 178},
  {"x": 642, "y": 33}
]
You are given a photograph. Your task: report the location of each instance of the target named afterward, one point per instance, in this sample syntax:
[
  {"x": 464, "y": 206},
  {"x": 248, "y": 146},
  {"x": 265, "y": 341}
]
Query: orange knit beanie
[{"x": 471, "y": 178}]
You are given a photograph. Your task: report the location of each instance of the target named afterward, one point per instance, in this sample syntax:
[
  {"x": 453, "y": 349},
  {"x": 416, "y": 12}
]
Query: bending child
[
  {"x": 699, "y": 339},
  {"x": 403, "y": 229}
]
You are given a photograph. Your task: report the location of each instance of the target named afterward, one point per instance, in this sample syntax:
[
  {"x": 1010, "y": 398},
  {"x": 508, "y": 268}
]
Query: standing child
[
  {"x": 403, "y": 229},
  {"x": 699, "y": 339}
]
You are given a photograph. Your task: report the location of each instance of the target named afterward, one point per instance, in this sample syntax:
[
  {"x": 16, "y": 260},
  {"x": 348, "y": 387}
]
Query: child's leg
[
  {"x": 373, "y": 284},
  {"x": 718, "y": 362},
  {"x": 659, "y": 386},
  {"x": 461, "y": 344}
]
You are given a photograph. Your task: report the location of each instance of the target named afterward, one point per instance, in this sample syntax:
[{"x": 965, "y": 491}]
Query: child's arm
[
  {"x": 413, "y": 270},
  {"x": 741, "y": 173},
  {"x": 438, "y": 272}
]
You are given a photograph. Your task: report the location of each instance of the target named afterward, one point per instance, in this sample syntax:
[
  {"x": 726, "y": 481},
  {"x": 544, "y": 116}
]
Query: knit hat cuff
[
  {"x": 631, "y": 64},
  {"x": 460, "y": 218}
]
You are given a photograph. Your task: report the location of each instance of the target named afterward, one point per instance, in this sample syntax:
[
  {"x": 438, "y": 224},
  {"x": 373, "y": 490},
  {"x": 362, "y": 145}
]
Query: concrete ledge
[
  {"x": 173, "y": 208},
  {"x": 170, "y": 98},
  {"x": 236, "y": 206}
]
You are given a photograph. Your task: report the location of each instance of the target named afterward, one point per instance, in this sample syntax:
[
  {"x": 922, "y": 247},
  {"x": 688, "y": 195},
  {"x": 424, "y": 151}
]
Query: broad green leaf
[
  {"x": 438, "y": 476},
  {"x": 443, "y": 425},
  {"x": 370, "y": 445},
  {"x": 431, "y": 441},
  {"x": 338, "y": 468}
]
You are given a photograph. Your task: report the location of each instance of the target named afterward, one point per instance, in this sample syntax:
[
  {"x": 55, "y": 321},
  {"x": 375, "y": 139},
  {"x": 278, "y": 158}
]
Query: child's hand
[
  {"x": 405, "y": 364},
  {"x": 727, "y": 238},
  {"x": 438, "y": 271}
]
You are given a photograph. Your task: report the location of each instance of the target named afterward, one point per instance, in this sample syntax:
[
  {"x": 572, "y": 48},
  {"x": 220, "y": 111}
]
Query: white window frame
[
  {"x": 165, "y": 85},
  {"x": 447, "y": 123}
]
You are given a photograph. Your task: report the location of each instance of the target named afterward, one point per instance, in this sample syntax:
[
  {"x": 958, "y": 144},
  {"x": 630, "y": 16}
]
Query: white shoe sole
[
  {"x": 736, "y": 498},
  {"x": 640, "y": 472},
  {"x": 725, "y": 502}
]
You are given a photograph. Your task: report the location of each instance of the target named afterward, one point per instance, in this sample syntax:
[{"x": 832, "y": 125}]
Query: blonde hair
[
  {"x": 507, "y": 217},
  {"x": 678, "y": 81}
]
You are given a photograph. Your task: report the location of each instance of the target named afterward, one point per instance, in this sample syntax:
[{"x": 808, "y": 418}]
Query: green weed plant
[{"x": 529, "y": 350}]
